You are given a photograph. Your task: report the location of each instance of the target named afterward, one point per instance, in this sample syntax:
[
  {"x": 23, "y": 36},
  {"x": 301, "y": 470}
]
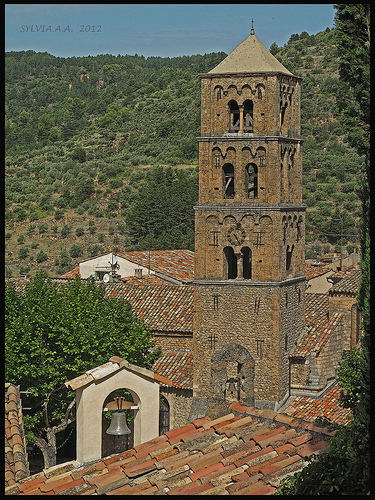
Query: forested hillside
[{"x": 87, "y": 139}]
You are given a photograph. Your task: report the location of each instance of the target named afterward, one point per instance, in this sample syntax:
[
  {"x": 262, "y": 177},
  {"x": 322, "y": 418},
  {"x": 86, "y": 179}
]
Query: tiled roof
[
  {"x": 250, "y": 56},
  {"x": 247, "y": 451},
  {"x": 71, "y": 274},
  {"x": 317, "y": 336},
  {"x": 147, "y": 279},
  {"x": 162, "y": 307},
  {"x": 316, "y": 308},
  {"x": 348, "y": 284},
  {"x": 16, "y": 462},
  {"x": 177, "y": 264},
  {"x": 346, "y": 270},
  {"x": 176, "y": 365},
  {"x": 312, "y": 271},
  {"x": 326, "y": 407},
  {"x": 114, "y": 364}
]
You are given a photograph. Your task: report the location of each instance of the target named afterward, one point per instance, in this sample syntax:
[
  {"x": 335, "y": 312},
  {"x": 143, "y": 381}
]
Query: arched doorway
[{"x": 232, "y": 374}]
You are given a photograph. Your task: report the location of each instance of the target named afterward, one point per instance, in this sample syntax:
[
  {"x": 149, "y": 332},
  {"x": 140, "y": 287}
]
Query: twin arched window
[
  {"x": 240, "y": 117},
  {"x": 237, "y": 265},
  {"x": 251, "y": 182}
]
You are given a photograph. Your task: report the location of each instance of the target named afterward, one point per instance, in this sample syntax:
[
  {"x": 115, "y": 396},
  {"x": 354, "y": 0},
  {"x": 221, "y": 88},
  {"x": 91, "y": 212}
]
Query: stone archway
[{"x": 232, "y": 353}]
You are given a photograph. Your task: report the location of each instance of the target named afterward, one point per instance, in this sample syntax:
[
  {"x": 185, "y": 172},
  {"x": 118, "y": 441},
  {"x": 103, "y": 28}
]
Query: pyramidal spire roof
[{"x": 250, "y": 56}]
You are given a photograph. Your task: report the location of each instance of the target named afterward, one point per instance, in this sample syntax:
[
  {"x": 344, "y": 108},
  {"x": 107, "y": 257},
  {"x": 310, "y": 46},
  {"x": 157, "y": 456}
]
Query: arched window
[
  {"x": 282, "y": 113},
  {"x": 164, "y": 413},
  {"x": 246, "y": 262},
  {"x": 289, "y": 252},
  {"x": 230, "y": 264},
  {"x": 248, "y": 116},
  {"x": 234, "y": 116},
  {"x": 252, "y": 180},
  {"x": 228, "y": 180}
]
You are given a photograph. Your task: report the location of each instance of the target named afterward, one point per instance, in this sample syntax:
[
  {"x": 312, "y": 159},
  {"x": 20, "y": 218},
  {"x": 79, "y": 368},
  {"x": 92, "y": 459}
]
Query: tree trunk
[{"x": 48, "y": 449}]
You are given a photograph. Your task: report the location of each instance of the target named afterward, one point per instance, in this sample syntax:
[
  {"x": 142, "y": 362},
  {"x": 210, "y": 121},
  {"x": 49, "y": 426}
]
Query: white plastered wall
[{"x": 90, "y": 401}]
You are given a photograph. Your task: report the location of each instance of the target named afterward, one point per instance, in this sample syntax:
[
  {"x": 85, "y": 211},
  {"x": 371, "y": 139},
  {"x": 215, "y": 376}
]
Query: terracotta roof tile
[
  {"x": 313, "y": 271},
  {"x": 177, "y": 366},
  {"x": 317, "y": 336},
  {"x": 177, "y": 264},
  {"x": 163, "y": 308},
  {"x": 16, "y": 461},
  {"x": 326, "y": 406},
  {"x": 348, "y": 283},
  {"x": 208, "y": 463}
]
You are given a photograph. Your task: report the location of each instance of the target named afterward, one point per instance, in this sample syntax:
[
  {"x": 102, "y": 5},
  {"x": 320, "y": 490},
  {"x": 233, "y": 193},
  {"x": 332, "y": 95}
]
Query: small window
[
  {"x": 252, "y": 180},
  {"x": 216, "y": 302},
  {"x": 228, "y": 180},
  {"x": 260, "y": 348}
]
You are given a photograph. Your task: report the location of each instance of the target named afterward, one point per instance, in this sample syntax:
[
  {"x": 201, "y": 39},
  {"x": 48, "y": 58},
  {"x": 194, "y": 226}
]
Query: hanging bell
[
  {"x": 118, "y": 425},
  {"x": 232, "y": 387}
]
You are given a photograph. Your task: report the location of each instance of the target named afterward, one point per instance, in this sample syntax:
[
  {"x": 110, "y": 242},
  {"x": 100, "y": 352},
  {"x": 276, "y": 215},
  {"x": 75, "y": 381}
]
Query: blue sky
[{"x": 165, "y": 30}]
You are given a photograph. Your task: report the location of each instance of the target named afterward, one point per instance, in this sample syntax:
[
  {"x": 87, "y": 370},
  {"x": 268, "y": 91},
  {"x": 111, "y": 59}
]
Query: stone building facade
[{"x": 250, "y": 232}]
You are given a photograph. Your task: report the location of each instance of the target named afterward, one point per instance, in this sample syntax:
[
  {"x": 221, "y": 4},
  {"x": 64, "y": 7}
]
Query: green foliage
[
  {"x": 55, "y": 334},
  {"x": 23, "y": 252},
  {"x": 162, "y": 215},
  {"x": 41, "y": 256},
  {"x": 65, "y": 230},
  {"x": 75, "y": 250}
]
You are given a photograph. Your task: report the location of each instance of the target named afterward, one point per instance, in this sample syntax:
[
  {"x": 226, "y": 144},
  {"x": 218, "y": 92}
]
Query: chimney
[{"x": 138, "y": 273}]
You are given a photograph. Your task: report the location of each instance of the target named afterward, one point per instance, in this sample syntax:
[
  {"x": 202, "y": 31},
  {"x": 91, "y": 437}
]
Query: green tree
[
  {"x": 41, "y": 256},
  {"x": 23, "y": 252},
  {"x": 162, "y": 216},
  {"x": 75, "y": 250},
  {"x": 54, "y": 334}
]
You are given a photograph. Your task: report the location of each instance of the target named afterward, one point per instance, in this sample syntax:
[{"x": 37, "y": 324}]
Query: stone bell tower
[{"x": 250, "y": 231}]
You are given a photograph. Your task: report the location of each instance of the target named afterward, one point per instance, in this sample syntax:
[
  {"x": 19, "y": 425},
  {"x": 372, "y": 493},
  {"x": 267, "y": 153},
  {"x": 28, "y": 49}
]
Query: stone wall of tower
[
  {"x": 270, "y": 233},
  {"x": 267, "y": 92},
  {"x": 280, "y": 184},
  {"x": 249, "y": 237},
  {"x": 266, "y": 320}
]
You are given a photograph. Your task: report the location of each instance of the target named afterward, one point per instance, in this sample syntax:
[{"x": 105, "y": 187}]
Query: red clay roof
[
  {"x": 317, "y": 336},
  {"x": 176, "y": 365},
  {"x": 114, "y": 364},
  {"x": 162, "y": 307},
  {"x": 312, "y": 271},
  {"x": 147, "y": 279},
  {"x": 348, "y": 282},
  {"x": 326, "y": 407},
  {"x": 177, "y": 264},
  {"x": 247, "y": 451},
  {"x": 316, "y": 308},
  {"x": 16, "y": 462},
  {"x": 71, "y": 274}
]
